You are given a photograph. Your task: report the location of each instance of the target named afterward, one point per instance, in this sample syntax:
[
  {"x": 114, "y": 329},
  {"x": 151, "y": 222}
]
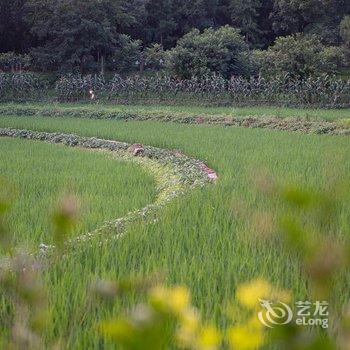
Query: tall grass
[
  {"x": 40, "y": 174},
  {"x": 200, "y": 239}
]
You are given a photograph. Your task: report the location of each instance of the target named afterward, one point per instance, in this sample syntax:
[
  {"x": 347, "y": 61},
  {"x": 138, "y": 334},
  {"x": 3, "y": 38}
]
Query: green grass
[
  {"x": 321, "y": 114},
  {"x": 200, "y": 239},
  {"x": 40, "y": 172}
]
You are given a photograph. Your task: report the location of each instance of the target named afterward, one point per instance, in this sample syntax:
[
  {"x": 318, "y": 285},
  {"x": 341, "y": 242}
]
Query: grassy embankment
[{"x": 312, "y": 114}]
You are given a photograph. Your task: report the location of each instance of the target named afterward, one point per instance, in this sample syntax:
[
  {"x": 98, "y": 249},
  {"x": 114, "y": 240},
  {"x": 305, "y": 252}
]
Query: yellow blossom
[
  {"x": 179, "y": 299},
  {"x": 175, "y": 300},
  {"x": 245, "y": 337},
  {"x": 248, "y": 294},
  {"x": 208, "y": 339},
  {"x": 158, "y": 297}
]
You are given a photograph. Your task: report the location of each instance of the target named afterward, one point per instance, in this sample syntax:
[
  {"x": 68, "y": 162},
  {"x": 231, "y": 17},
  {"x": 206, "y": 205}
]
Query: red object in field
[
  {"x": 137, "y": 149},
  {"x": 200, "y": 120},
  {"x": 178, "y": 153},
  {"x": 210, "y": 172}
]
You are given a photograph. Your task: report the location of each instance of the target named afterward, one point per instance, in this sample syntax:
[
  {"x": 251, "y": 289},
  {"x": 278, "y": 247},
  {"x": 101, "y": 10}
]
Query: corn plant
[{"x": 324, "y": 91}]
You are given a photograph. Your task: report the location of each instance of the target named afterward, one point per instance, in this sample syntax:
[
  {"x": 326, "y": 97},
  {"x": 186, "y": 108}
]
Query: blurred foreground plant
[
  {"x": 166, "y": 319},
  {"x": 28, "y": 316},
  {"x": 307, "y": 224},
  {"x": 308, "y": 221}
]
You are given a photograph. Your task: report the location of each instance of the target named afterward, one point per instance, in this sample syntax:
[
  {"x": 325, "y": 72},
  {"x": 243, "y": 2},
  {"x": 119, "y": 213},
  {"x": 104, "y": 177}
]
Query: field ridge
[{"x": 296, "y": 124}]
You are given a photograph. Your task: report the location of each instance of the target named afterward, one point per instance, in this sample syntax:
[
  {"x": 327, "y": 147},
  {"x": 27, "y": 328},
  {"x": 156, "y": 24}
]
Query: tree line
[{"x": 207, "y": 35}]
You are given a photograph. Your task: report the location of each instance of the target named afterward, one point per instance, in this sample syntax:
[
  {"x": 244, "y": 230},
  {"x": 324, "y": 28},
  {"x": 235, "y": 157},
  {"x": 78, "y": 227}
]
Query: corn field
[
  {"x": 22, "y": 86},
  {"x": 323, "y": 91}
]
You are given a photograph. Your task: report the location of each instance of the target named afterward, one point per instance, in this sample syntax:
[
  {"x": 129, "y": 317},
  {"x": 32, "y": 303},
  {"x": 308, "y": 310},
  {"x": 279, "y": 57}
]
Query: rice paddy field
[
  {"x": 41, "y": 173},
  {"x": 201, "y": 239}
]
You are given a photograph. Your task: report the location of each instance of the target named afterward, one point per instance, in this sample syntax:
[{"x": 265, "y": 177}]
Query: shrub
[
  {"x": 155, "y": 57},
  {"x": 127, "y": 55},
  {"x": 11, "y": 62},
  {"x": 298, "y": 56},
  {"x": 222, "y": 51}
]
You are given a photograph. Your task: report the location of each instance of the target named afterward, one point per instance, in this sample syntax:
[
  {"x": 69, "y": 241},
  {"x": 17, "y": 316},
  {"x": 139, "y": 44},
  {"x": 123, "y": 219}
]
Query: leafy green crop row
[
  {"x": 324, "y": 91},
  {"x": 306, "y": 125}
]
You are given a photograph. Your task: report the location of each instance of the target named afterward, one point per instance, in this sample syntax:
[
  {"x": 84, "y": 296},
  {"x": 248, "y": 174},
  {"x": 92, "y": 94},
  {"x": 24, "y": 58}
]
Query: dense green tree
[
  {"x": 319, "y": 17},
  {"x": 298, "y": 56},
  {"x": 11, "y": 62},
  {"x": 345, "y": 34},
  {"x": 244, "y": 15},
  {"x": 137, "y": 27},
  {"x": 345, "y": 30},
  {"x": 160, "y": 21},
  {"x": 14, "y": 31},
  {"x": 86, "y": 34},
  {"x": 221, "y": 51},
  {"x": 126, "y": 56},
  {"x": 194, "y": 14},
  {"x": 75, "y": 33},
  {"x": 165, "y": 21},
  {"x": 155, "y": 57}
]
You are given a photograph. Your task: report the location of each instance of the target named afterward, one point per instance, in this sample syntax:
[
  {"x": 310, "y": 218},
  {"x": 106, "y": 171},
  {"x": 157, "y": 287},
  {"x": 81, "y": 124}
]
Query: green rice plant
[
  {"x": 40, "y": 172},
  {"x": 166, "y": 318},
  {"x": 201, "y": 240}
]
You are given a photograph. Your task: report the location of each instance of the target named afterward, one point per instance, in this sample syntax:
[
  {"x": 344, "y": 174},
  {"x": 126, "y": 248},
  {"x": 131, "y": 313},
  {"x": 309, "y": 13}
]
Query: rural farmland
[{"x": 174, "y": 185}]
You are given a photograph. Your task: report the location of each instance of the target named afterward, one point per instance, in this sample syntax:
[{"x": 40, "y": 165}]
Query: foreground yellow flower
[
  {"x": 248, "y": 294},
  {"x": 175, "y": 300},
  {"x": 179, "y": 299},
  {"x": 208, "y": 339},
  {"x": 245, "y": 337}
]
